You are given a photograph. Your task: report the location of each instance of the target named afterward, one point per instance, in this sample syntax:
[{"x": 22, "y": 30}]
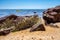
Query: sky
[{"x": 28, "y": 4}]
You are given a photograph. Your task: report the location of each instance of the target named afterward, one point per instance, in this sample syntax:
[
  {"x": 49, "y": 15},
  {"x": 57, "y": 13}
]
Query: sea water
[{"x": 21, "y": 12}]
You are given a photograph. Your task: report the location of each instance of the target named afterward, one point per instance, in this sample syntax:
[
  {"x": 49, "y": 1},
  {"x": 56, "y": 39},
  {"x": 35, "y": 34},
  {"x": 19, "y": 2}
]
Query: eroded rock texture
[
  {"x": 52, "y": 15},
  {"x": 16, "y": 23}
]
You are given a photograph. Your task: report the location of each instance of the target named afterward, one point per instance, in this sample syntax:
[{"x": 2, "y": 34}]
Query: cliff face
[{"x": 52, "y": 15}]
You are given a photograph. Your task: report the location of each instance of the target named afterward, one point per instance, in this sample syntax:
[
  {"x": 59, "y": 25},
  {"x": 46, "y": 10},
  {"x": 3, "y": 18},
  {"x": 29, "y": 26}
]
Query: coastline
[{"x": 51, "y": 33}]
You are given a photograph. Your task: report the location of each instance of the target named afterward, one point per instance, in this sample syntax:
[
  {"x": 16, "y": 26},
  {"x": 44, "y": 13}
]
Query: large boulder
[
  {"x": 52, "y": 15},
  {"x": 38, "y": 26},
  {"x": 17, "y": 22},
  {"x": 9, "y": 21}
]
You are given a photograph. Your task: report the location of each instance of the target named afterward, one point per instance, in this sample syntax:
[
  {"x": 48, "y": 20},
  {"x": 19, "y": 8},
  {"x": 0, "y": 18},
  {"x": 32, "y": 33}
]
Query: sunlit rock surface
[
  {"x": 51, "y": 33},
  {"x": 52, "y": 15}
]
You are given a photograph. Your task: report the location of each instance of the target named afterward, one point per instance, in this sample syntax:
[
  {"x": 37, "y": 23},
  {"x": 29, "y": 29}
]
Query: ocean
[{"x": 21, "y": 12}]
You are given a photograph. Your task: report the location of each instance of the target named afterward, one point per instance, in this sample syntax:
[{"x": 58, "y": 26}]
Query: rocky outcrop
[
  {"x": 8, "y": 21},
  {"x": 52, "y": 15},
  {"x": 37, "y": 27},
  {"x": 2, "y": 19},
  {"x": 5, "y": 31},
  {"x": 19, "y": 23}
]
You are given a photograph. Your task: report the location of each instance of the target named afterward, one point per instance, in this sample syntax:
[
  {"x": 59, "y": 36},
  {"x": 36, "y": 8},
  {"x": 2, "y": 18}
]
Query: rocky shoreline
[
  {"x": 16, "y": 23},
  {"x": 32, "y": 27}
]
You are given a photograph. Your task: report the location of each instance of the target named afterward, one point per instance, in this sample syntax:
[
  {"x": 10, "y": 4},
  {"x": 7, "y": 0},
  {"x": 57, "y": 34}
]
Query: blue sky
[{"x": 28, "y": 4}]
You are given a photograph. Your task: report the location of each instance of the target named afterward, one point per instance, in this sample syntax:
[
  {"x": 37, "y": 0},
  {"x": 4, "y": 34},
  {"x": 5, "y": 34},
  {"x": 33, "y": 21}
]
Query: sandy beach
[
  {"x": 29, "y": 19},
  {"x": 51, "y": 33}
]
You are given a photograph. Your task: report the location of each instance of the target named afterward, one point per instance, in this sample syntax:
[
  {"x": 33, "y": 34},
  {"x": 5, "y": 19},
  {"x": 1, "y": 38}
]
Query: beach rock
[
  {"x": 15, "y": 20},
  {"x": 52, "y": 15},
  {"x": 14, "y": 17},
  {"x": 6, "y": 31},
  {"x": 37, "y": 27},
  {"x": 2, "y": 19},
  {"x": 19, "y": 23},
  {"x": 28, "y": 21}
]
